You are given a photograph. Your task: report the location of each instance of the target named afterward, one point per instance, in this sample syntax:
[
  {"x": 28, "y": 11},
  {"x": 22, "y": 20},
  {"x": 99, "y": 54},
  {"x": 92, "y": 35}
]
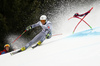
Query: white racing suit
[{"x": 46, "y": 29}]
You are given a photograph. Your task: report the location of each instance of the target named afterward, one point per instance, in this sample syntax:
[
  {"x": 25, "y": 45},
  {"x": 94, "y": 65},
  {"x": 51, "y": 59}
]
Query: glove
[
  {"x": 28, "y": 28},
  {"x": 47, "y": 36}
]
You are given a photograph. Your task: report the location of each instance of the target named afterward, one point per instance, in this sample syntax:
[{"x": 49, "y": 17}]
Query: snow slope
[{"x": 79, "y": 49}]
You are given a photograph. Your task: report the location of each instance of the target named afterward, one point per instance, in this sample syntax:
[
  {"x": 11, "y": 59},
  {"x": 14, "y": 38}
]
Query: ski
[
  {"x": 13, "y": 53},
  {"x": 34, "y": 46}
]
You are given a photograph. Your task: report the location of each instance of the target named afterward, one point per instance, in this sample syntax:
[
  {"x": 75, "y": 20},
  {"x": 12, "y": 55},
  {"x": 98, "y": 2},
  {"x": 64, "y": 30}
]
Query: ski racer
[
  {"x": 46, "y": 32},
  {"x": 6, "y": 49}
]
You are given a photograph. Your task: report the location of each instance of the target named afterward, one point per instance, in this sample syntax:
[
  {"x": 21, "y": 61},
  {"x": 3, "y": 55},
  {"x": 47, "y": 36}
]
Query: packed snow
[{"x": 79, "y": 49}]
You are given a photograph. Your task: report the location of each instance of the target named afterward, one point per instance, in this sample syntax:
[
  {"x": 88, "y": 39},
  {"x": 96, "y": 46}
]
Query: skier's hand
[
  {"x": 28, "y": 28},
  {"x": 47, "y": 36}
]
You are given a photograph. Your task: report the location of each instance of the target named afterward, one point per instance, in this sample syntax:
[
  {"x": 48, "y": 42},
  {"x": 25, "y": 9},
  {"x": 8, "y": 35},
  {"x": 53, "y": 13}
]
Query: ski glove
[
  {"x": 47, "y": 36},
  {"x": 28, "y": 28}
]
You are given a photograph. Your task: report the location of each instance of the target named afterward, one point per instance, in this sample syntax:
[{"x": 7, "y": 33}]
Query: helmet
[
  {"x": 43, "y": 17},
  {"x": 7, "y": 45}
]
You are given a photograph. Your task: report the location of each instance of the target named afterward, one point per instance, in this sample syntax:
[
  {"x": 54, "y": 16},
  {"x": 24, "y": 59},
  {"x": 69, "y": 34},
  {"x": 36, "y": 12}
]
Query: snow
[
  {"x": 60, "y": 50},
  {"x": 79, "y": 49}
]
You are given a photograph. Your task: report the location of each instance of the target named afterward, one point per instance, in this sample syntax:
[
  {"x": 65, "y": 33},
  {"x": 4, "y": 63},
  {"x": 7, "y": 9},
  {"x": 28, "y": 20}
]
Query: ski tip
[{"x": 11, "y": 54}]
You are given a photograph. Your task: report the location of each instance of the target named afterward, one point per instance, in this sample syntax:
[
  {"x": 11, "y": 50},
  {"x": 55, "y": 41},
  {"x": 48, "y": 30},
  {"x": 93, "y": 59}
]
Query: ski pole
[
  {"x": 57, "y": 34},
  {"x": 18, "y": 37}
]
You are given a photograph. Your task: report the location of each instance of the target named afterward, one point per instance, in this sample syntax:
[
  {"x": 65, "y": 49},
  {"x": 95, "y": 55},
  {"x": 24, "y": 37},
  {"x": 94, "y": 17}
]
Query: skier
[
  {"x": 44, "y": 34},
  {"x": 6, "y": 49},
  {"x": 80, "y": 15}
]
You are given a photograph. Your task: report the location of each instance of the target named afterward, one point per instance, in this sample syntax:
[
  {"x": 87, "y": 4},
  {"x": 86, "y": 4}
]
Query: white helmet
[{"x": 43, "y": 17}]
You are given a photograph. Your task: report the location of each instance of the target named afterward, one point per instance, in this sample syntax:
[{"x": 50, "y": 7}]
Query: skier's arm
[
  {"x": 48, "y": 31},
  {"x": 35, "y": 25},
  {"x": 32, "y": 26}
]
